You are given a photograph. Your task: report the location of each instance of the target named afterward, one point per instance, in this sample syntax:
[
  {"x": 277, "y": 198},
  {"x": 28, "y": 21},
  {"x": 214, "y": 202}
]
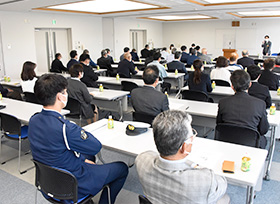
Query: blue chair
[
  {"x": 59, "y": 185},
  {"x": 13, "y": 130}
]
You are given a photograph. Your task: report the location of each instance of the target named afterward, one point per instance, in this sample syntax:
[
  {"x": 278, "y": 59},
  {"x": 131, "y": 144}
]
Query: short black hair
[
  {"x": 146, "y": 46},
  {"x": 193, "y": 45},
  {"x": 47, "y": 87},
  {"x": 156, "y": 55},
  {"x": 84, "y": 57},
  {"x": 183, "y": 48},
  {"x": 221, "y": 62},
  {"x": 164, "y": 48},
  {"x": 177, "y": 55},
  {"x": 103, "y": 52},
  {"x": 240, "y": 80},
  {"x": 75, "y": 69},
  {"x": 126, "y": 49},
  {"x": 254, "y": 71},
  {"x": 57, "y": 55},
  {"x": 150, "y": 74},
  {"x": 73, "y": 53},
  {"x": 197, "y": 47},
  {"x": 108, "y": 50},
  {"x": 266, "y": 36},
  {"x": 268, "y": 64}
]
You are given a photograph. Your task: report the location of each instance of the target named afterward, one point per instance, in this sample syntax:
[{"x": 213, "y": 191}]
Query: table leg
[
  {"x": 270, "y": 152},
  {"x": 250, "y": 195},
  {"x": 120, "y": 109}
]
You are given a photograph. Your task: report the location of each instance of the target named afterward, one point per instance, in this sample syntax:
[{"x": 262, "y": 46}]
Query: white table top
[
  {"x": 113, "y": 80},
  {"x": 136, "y": 63},
  {"x": 21, "y": 109},
  {"x": 13, "y": 82},
  {"x": 207, "y": 153},
  {"x": 218, "y": 90},
  {"x": 107, "y": 94},
  {"x": 169, "y": 74},
  {"x": 210, "y": 109}
]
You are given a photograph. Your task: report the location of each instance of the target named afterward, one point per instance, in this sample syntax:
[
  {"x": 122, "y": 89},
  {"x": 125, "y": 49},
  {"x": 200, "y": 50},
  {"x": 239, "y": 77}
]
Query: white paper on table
[
  {"x": 175, "y": 106},
  {"x": 96, "y": 93}
]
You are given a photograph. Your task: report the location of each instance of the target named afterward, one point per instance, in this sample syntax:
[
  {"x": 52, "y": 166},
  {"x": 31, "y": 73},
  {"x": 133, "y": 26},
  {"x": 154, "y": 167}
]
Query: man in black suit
[
  {"x": 147, "y": 99},
  {"x": 256, "y": 89},
  {"x": 104, "y": 62},
  {"x": 109, "y": 55},
  {"x": 267, "y": 77},
  {"x": 73, "y": 60},
  {"x": 245, "y": 61},
  {"x": 145, "y": 52},
  {"x": 126, "y": 67},
  {"x": 57, "y": 65},
  {"x": 89, "y": 77},
  {"x": 266, "y": 44},
  {"x": 185, "y": 55},
  {"x": 176, "y": 64},
  {"x": 243, "y": 109}
]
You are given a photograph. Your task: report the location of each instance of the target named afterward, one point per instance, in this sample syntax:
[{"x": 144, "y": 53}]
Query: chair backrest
[
  {"x": 56, "y": 183},
  {"x": 143, "y": 200},
  {"x": 143, "y": 117},
  {"x": 221, "y": 82},
  {"x": 30, "y": 97},
  {"x": 194, "y": 95},
  {"x": 123, "y": 75},
  {"x": 74, "y": 106},
  {"x": 10, "y": 124},
  {"x": 237, "y": 134},
  {"x": 128, "y": 85}
]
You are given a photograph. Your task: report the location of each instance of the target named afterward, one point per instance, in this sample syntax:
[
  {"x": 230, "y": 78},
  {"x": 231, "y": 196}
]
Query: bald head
[
  {"x": 127, "y": 56},
  {"x": 245, "y": 53},
  {"x": 204, "y": 51}
]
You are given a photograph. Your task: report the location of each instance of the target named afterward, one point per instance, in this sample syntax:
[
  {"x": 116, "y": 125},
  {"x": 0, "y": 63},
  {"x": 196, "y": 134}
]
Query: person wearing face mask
[
  {"x": 266, "y": 44},
  {"x": 57, "y": 142},
  {"x": 198, "y": 80},
  {"x": 169, "y": 176},
  {"x": 89, "y": 77},
  {"x": 78, "y": 90}
]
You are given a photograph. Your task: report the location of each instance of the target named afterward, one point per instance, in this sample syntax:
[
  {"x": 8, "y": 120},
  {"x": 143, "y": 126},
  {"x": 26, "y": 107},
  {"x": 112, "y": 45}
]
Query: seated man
[
  {"x": 126, "y": 67},
  {"x": 245, "y": 61},
  {"x": 125, "y": 50},
  {"x": 204, "y": 57},
  {"x": 89, "y": 77},
  {"x": 256, "y": 89},
  {"x": 243, "y": 109},
  {"x": 145, "y": 53},
  {"x": 91, "y": 62},
  {"x": 73, "y": 60},
  {"x": 232, "y": 66},
  {"x": 134, "y": 55},
  {"x": 268, "y": 78},
  {"x": 185, "y": 55},
  {"x": 192, "y": 57},
  {"x": 157, "y": 58},
  {"x": 169, "y": 176},
  {"x": 58, "y": 142},
  {"x": 109, "y": 55},
  {"x": 57, "y": 65},
  {"x": 104, "y": 62},
  {"x": 147, "y": 99},
  {"x": 176, "y": 64},
  {"x": 164, "y": 53}
]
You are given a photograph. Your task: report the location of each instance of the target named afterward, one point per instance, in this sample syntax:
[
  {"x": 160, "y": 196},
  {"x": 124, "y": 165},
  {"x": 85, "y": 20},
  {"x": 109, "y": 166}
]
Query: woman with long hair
[{"x": 28, "y": 77}]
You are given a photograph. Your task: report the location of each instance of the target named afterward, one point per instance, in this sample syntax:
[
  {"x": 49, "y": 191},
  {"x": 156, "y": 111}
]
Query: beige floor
[{"x": 11, "y": 167}]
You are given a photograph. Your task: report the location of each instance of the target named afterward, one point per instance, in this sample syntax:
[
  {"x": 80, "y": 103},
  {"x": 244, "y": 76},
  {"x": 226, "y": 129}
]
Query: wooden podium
[{"x": 227, "y": 52}]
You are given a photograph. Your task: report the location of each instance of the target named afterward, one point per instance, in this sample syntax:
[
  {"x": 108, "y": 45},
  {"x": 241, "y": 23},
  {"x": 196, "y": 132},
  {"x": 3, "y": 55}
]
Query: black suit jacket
[
  {"x": 245, "y": 61},
  {"x": 184, "y": 57},
  {"x": 89, "y": 77},
  {"x": 269, "y": 79},
  {"x": 175, "y": 64},
  {"x": 261, "y": 92},
  {"x": 145, "y": 53},
  {"x": 72, "y": 62},
  {"x": 243, "y": 109},
  {"x": 204, "y": 85},
  {"x": 149, "y": 100},
  {"x": 126, "y": 67},
  {"x": 57, "y": 66},
  {"x": 105, "y": 63}
]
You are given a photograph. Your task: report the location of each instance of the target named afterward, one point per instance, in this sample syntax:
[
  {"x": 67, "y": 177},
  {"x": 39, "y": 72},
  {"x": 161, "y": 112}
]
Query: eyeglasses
[{"x": 190, "y": 139}]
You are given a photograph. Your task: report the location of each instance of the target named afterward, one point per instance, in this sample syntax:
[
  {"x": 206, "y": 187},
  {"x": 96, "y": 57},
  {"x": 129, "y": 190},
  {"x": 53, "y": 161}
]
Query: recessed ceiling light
[
  {"x": 178, "y": 18},
  {"x": 229, "y": 2},
  {"x": 102, "y": 6}
]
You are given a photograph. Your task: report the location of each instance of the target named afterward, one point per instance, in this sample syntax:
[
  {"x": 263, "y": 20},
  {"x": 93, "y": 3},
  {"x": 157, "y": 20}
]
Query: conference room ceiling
[{"x": 168, "y": 8}]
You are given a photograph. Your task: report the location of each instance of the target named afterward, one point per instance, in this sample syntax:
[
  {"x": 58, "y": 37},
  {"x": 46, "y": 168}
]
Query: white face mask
[
  {"x": 82, "y": 75},
  {"x": 66, "y": 96},
  {"x": 202, "y": 69}
]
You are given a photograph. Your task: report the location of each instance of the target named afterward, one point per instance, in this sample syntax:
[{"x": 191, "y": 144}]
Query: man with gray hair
[
  {"x": 204, "y": 57},
  {"x": 245, "y": 61},
  {"x": 168, "y": 176},
  {"x": 104, "y": 62}
]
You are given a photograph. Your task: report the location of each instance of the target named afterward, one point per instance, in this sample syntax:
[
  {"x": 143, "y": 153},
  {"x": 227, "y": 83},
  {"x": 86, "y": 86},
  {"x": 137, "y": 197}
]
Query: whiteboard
[
  {"x": 225, "y": 38},
  {"x": 246, "y": 38}
]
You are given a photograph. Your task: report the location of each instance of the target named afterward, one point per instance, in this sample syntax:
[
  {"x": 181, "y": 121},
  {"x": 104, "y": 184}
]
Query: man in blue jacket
[{"x": 60, "y": 143}]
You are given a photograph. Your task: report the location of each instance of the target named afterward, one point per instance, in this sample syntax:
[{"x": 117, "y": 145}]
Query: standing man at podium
[{"x": 266, "y": 44}]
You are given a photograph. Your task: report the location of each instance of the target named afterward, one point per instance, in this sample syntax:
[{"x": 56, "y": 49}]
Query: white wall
[
  {"x": 18, "y": 33},
  {"x": 210, "y": 34},
  {"x": 122, "y": 27}
]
